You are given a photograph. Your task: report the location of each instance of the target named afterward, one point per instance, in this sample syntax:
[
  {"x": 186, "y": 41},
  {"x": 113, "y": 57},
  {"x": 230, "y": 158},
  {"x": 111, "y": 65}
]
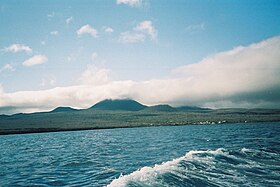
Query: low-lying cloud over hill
[{"x": 242, "y": 77}]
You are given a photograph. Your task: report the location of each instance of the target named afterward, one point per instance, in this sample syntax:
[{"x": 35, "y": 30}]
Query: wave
[{"x": 220, "y": 167}]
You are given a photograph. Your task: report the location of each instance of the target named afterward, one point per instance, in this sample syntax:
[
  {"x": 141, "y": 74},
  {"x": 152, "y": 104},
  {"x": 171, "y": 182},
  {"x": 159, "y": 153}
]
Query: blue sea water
[{"x": 196, "y": 155}]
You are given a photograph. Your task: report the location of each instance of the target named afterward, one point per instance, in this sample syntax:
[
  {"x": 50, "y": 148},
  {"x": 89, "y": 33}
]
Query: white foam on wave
[
  {"x": 148, "y": 174},
  {"x": 244, "y": 150}
]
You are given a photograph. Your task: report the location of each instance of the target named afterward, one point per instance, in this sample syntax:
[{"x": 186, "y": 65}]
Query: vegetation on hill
[
  {"x": 127, "y": 113},
  {"x": 64, "y": 109},
  {"x": 161, "y": 108},
  {"x": 119, "y": 104}
]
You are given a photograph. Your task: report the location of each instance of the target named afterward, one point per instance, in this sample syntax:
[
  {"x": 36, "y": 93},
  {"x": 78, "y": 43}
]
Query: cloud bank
[{"x": 242, "y": 77}]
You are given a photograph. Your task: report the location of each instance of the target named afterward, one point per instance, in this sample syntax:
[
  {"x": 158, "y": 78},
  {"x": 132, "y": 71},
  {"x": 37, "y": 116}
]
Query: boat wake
[{"x": 221, "y": 167}]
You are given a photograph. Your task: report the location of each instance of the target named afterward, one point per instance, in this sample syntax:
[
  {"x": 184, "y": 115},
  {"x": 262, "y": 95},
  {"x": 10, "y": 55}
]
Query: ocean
[{"x": 195, "y": 155}]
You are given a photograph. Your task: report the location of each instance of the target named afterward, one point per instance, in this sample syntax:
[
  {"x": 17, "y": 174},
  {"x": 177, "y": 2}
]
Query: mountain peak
[
  {"x": 119, "y": 104},
  {"x": 64, "y": 109}
]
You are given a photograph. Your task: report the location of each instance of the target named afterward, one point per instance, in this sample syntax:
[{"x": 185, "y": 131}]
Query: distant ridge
[
  {"x": 132, "y": 105},
  {"x": 64, "y": 109},
  {"x": 128, "y": 113},
  {"x": 161, "y": 108},
  {"x": 168, "y": 108},
  {"x": 118, "y": 104},
  {"x": 192, "y": 108}
]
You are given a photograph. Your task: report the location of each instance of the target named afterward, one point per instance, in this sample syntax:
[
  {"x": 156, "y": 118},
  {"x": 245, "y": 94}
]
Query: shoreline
[{"x": 49, "y": 130}]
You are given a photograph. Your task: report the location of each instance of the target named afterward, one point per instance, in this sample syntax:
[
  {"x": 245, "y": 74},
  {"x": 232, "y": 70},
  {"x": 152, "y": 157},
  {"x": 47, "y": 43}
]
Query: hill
[
  {"x": 128, "y": 113},
  {"x": 64, "y": 109},
  {"x": 160, "y": 108},
  {"x": 191, "y": 108},
  {"x": 118, "y": 104}
]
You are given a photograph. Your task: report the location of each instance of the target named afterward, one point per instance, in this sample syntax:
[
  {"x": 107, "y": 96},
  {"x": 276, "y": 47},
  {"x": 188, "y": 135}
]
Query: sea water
[{"x": 195, "y": 155}]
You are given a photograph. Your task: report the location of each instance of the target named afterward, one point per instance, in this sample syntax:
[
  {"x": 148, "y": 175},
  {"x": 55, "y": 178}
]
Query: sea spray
[{"x": 218, "y": 167}]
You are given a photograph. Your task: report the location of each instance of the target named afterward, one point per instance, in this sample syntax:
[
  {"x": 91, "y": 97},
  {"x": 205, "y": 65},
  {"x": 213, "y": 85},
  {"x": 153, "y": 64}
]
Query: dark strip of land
[{"x": 104, "y": 119}]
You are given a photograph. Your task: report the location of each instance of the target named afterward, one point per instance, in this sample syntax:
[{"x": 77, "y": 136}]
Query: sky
[{"x": 208, "y": 53}]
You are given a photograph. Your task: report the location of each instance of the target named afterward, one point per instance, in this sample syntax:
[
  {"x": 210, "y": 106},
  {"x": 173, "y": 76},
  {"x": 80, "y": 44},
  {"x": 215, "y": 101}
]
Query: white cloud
[
  {"x": 35, "y": 60},
  {"x": 7, "y": 67},
  {"x": 94, "y": 75},
  {"x": 132, "y": 3},
  {"x": 193, "y": 29},
  {"x": 236, "y": 73},
  {"x": 131, "y": 37},
  {"x": 147, "y": 28},
  {"x": 108, "y": 30},
  {"x": 143, "y": 30},
  {"x": 79, "y": 96},
  {"x": 43, "y": 42},
  {"x": 87, "y": 29},
  {"x": 238, "y": 67},
  {"x": 51, "y": 15},
  {"x": 242, "y": 77},
  {"x": 69, "y": 20},
  {"x": 54, "y": 33},
  {"x": 15, "y": 48}
]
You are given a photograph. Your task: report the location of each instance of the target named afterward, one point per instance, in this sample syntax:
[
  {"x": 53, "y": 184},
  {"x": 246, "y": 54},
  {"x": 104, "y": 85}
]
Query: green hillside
[{"x": 118, "y": 104}]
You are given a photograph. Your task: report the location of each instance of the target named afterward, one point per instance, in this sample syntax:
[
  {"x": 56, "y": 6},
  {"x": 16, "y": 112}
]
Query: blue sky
[{"x": 60, "y": 44}]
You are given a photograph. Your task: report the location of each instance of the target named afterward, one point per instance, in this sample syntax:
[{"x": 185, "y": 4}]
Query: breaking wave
[{"x": 221, "y": 167}]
